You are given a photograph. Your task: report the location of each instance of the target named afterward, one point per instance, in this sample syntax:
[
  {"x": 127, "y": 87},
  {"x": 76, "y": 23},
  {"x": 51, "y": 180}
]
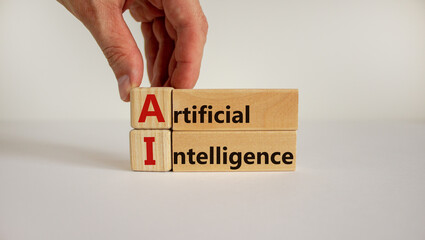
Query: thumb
[{"x": 117, "y": 43}]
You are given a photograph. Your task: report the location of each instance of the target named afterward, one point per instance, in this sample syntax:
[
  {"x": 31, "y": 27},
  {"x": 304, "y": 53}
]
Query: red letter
[
  {"x": 149, "y": 150},
  {"x": 150, "y": 98}
]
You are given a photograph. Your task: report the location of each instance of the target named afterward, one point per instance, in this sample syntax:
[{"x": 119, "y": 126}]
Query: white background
[
  {"x": 351, "y": 60},
  {"x": 360, "y": 68},
  {"x": 68, "y": 180}
]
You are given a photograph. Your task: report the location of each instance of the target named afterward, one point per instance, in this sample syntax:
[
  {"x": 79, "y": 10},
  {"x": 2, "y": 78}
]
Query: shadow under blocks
[{"x": 213, "y": 129}]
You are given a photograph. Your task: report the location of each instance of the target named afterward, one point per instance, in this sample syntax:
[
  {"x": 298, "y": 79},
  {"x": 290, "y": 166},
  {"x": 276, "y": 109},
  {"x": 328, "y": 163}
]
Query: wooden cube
[
  {"x": 235, "y": 109},
  {"x": 150, "y": 150},
  {"x": 234, "y": 150},
  {"x": 151, "y": 108}
]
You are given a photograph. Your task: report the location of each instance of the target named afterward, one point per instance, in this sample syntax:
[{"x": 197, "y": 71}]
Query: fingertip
[
  {"x": 185, "y": 75},
  {"x": 136, "y": 76},
  {"x": 182, "y": 84},
  {"x": 124, "y": 87}
]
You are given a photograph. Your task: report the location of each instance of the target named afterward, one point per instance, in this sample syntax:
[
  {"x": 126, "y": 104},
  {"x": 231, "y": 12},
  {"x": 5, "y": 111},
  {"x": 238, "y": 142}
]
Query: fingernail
[{"x": 124, "y": 86}]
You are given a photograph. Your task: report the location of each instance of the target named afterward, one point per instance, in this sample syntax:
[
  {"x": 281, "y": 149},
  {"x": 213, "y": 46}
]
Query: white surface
[
  {"x": 71, "y": 180},
  {"x": 359, "y": 59}
]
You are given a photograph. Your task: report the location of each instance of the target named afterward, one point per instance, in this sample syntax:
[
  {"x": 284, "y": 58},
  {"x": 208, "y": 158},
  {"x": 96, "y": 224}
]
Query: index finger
[{"x": 190, "y": 24}]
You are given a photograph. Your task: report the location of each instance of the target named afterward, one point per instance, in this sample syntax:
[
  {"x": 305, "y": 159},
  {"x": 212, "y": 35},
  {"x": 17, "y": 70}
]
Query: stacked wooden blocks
[{"x": 213, "y": 130}]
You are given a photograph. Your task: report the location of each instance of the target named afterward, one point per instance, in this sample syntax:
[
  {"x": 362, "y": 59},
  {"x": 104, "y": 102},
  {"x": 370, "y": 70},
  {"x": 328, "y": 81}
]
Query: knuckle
[
  {"x": 205, "y": 24},
  {"x": 92, "y": 11},
  {"x": 204, "y": 27},
  {"x": 114, "y": 55},
  {"x": 85, "y": 12}
]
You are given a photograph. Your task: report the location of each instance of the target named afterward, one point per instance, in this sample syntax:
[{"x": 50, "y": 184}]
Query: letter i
[{"x": 149, "y": 150}]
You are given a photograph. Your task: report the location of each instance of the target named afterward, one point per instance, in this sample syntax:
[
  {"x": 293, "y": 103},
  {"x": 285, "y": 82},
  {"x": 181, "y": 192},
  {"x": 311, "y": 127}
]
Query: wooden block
[
  {"x": 151, "y": 108},
  {"x": 150, "y": 150},
  {"x": 241, "y": 109},
  {"x": 234, "y": 150}
]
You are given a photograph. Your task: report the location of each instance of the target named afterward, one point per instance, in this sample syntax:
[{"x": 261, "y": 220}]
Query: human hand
[{"x": 174, "y": 32}]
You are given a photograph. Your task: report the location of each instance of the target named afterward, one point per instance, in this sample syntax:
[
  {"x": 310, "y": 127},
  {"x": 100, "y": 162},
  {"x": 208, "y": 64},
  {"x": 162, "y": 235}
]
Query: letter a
[
  {"x": 149, "y": 150},
  {"x": 150, "y": 98}
]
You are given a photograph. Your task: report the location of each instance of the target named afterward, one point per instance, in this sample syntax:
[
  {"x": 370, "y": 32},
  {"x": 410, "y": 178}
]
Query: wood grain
[
  {"x": 269, "y": 109},
  {"x": 161, "y": 150},
  {"x": 246, "y": 146},
  {"x": 137, "y": 101}
]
